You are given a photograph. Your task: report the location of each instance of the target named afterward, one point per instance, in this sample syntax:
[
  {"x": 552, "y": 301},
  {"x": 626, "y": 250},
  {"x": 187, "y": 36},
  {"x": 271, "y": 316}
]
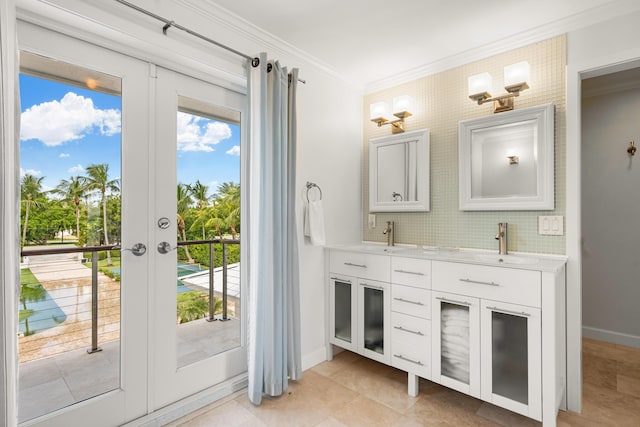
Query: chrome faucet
[
  {"x": 501, "y": 237},
  {"x": 389, "y": 232}
]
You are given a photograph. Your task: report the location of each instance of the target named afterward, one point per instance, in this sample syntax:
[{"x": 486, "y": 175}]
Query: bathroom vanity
[{"x": 488, "y": 325}]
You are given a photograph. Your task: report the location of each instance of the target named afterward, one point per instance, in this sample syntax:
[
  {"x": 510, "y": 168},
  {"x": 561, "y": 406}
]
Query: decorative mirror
[
  {"x": 399, "y": 172},
  {"x": 507, "y": 161}
]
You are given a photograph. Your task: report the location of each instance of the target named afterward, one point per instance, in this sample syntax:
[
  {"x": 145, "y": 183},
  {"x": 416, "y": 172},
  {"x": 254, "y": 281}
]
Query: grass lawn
[
  {"x": 27, "y": 277},
  {"x": 102, "y": 264}
]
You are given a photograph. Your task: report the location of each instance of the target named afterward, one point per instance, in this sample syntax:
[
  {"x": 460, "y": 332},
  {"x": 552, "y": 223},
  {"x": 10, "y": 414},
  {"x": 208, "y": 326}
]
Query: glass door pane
[
  {"x": 454, "y": 341},
  {"x": 509, "y": 356},
  {"x": 208, "y": 212},
  {"x": 373, "y": 318},
  {"x": 343, "y": 306}
]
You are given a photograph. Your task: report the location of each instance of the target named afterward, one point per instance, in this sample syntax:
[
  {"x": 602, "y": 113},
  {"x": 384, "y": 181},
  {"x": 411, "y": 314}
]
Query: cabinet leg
[{"x": 413, "y": 385}]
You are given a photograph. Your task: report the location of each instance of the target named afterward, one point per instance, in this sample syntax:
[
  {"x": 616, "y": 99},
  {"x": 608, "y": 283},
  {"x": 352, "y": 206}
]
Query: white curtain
[
  {"x": 9, "y": 205},
  {"x": 274, "y": 309}
]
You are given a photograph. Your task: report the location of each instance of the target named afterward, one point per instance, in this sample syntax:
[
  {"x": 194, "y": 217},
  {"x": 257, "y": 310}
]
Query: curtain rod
[{"x": 169, "y": 23}]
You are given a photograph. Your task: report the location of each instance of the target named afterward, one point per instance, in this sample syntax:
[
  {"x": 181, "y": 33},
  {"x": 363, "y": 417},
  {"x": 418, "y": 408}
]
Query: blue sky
[{"x": 66, "y": 128}]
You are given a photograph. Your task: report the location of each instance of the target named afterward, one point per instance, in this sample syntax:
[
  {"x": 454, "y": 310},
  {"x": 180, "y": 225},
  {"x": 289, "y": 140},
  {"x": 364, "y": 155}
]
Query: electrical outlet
[
  {"x": 372, "y": 221},
  {"x": 551, "y": 225}
]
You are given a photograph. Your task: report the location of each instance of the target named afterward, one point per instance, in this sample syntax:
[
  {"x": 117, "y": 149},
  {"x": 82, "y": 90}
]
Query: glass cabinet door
[
  {"x": 343, "y": 303},
  {"x": 456, "y": 342},
  {"x": 511, "y": 361},
  {"x": 374, "y": 319}
]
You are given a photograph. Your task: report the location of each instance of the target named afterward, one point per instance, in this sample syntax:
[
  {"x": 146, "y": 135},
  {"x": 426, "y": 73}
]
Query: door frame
[{"x": 577, "y": 72}]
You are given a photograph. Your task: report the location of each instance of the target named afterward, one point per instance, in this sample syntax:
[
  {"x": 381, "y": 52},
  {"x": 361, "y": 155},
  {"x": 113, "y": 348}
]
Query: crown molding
[
  {"x": 571, "y": 23},
  {"x": 254, "y": 35}
]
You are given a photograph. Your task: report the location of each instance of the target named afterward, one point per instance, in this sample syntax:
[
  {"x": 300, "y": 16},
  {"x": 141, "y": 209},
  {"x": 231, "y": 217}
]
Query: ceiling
[{"x": 366, "y": 41}]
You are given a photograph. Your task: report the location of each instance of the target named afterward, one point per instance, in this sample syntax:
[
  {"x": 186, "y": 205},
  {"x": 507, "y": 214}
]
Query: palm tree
[
  {"x": 97, "y": 179},
  {"x": 30, "y": 194},
  {"x": 72, "y": 190},
  {"x": 199, "y": 193},
  {"x": 229, "y": 194},
  {"x": 184, "y": 201}
]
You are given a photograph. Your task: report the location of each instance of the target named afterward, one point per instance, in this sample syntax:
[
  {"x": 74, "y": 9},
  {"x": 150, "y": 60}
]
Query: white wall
[
  {"x": 610, "y": 215},
  {"x": 329, "y": 112}
]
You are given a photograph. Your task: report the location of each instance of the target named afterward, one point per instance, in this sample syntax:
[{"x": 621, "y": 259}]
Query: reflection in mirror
[
  {"x": 399, "y": 172},
  {"x": 507, "y": 160},
  {"x": 504, "y": 161}
]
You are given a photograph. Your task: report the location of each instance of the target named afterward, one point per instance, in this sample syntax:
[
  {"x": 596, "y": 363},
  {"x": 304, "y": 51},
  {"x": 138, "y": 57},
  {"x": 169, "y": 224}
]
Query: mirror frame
[
  {"x": 544, "y": 118},
  {"x": 422, "y": 173}
]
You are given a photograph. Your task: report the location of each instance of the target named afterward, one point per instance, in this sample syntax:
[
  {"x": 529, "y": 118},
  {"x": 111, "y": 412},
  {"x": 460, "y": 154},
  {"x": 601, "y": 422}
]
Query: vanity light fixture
[
  {"x": 515, "y": 81},
  {"x": 513, "y": 160},
  {"x": 379, "y": 112}
]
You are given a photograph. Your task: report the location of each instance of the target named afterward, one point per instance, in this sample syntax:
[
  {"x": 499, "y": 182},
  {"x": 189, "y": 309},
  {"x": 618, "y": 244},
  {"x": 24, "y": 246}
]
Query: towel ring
[{"x": 311, "y": 185}]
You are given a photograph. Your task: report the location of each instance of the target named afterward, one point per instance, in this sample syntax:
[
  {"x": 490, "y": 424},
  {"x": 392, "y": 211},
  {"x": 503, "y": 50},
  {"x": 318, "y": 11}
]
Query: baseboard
[
  {"x": 314, "y": 358},
  {"x": 611, "y": 336},
  {"x": 190, "y": 404}
]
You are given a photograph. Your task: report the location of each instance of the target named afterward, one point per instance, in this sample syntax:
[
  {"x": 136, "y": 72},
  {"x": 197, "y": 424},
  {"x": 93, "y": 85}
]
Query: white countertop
[{"x": 522, "y": 261}]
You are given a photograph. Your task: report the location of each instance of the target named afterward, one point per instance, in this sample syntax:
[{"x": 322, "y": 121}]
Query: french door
[
  {"x": 192, "y": 356},
  {"x": 78, "y": 383},
  {"x": 155, "y": 357}
]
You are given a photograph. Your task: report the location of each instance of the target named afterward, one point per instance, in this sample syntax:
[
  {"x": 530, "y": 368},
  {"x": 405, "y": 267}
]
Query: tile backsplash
[{"x": 441, "y": 101}]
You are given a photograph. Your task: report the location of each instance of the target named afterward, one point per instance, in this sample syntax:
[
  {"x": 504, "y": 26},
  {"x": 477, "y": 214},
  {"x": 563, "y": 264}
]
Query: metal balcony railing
[{"x": 94, "y": 250}]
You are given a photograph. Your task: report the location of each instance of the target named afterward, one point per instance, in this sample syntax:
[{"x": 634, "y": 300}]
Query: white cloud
[
  {"x": 71, "y": 118},
  {"x": 33, "y": 172},
  {"x": 234, "y": 151},
  {"x": 63, "y": 155},
  {"x": 193, "y": 136},
  {"x": 76, "y": 169}
]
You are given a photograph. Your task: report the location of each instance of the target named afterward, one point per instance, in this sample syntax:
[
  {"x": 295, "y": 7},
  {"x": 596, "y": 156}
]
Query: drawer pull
[
  {"x": 408, "y": 301},
  {"x": 406, "y": 359},
  {"x": 366, "y": 285},
  {"x": 515, "y": 313},
  {"x": 417, "y": 273},
  {"x": 454, "y": 301},
  {"x": 479, "y": 282},
  {"x": 341, "y": 280},
  {"x": 400, "y": 328},
  {"x": 350, "y": 264}
]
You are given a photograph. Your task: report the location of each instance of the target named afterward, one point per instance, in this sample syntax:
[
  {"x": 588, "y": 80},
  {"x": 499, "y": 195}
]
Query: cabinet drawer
[
  {"x": 356, "y": 264},
  {"x": 413, "y": 301},
  {"x": 411, "y": 344},
  {"x": 411, "y": 271},
  {"x": 495, "y": 283}
]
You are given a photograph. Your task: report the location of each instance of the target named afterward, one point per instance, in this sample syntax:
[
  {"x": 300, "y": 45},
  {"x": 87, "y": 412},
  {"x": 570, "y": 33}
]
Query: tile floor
[{"x": 354, "y": 391}]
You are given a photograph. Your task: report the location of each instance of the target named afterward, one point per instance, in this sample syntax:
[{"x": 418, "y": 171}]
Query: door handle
[
  {"x": 165, "y": 247},
  {"x": 138, "y": 249}
]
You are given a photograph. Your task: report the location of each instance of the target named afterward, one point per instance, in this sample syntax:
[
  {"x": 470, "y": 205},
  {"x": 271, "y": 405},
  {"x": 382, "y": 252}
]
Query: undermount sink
[
  {"x": 505, "y": 259},
  {"x": 378, "y": 249}
]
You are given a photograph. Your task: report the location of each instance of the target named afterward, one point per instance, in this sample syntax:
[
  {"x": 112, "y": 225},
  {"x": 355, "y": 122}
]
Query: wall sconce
[
  {"x": 515, "y": 81},
  {"x": 379, "y": 112},
  {"x": 513, "y": 160}
]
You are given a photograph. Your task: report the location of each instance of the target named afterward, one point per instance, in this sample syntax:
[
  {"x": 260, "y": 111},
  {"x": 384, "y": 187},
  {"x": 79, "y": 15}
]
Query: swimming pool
[
  {"x": 183, "y": 270},
  {"x": 40, "y": 315}
]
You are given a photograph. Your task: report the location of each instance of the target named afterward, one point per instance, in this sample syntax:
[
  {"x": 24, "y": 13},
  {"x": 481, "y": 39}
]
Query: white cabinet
[
  {"x": 410, "y": 318},
  {"x": 495, "y": 332},
  {"x": 374, "y": 316},
  {"x": 511, "y": 357},
  {"x": 489, "y": 348},
  {"x": 360, "y": 304},
  {"x": 456, "y": 342},
  {"x": 343, "y": 309}
]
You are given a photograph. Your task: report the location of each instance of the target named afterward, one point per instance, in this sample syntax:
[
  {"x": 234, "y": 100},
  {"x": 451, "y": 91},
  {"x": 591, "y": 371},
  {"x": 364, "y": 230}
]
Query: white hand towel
[{"x": 314, "y": 223}]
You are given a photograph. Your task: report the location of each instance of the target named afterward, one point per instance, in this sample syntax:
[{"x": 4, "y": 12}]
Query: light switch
[
  {"x": 551, "y": 225},
  {"x": 372, "y": 221}
]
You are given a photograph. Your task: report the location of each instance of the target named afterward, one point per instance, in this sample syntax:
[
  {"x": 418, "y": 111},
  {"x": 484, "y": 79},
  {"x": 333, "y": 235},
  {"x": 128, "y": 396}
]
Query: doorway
[
  {"x": 152, "y": 277},
  {"x": 610, "y": 206}
]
